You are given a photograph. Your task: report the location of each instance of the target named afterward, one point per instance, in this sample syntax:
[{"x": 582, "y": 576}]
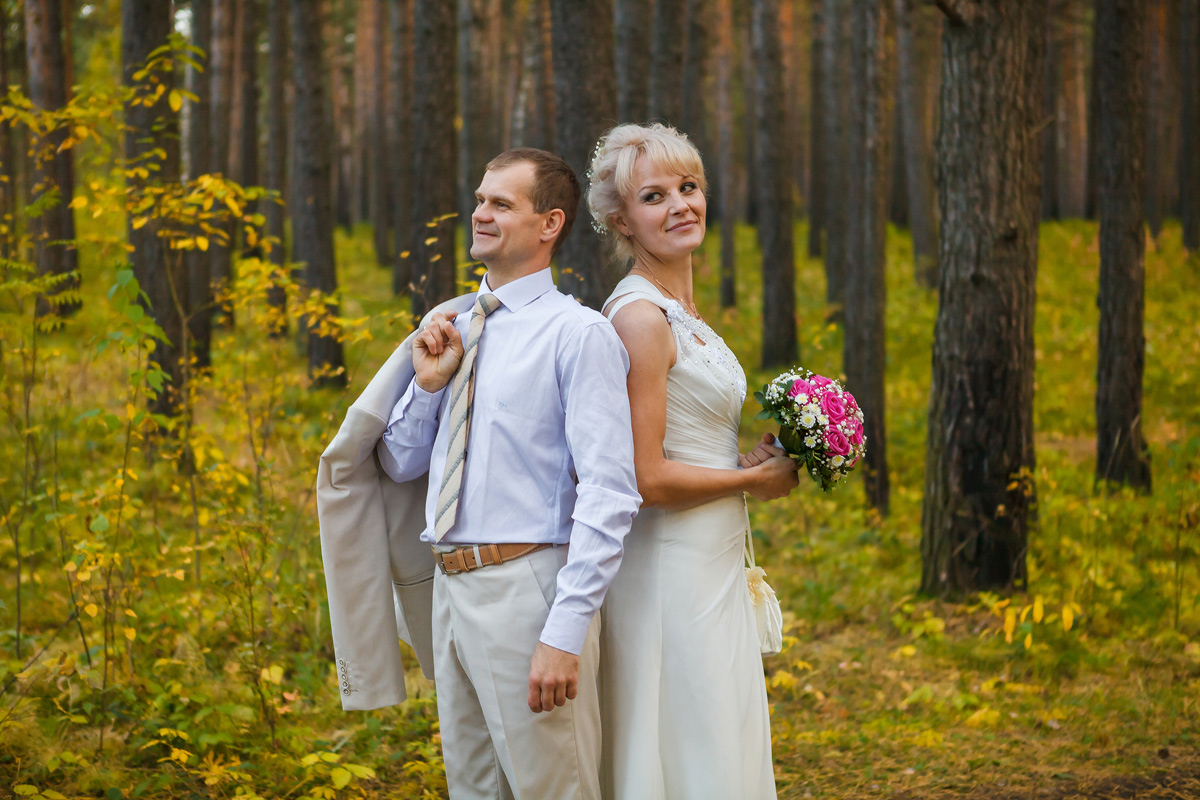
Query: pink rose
[
  {"x": 836, "y": 442},
  {"x": 834, "y": 407},
  {"x": 820, "y": 380},
  {"x": 851, "y": 403},
  {"x": 801, "y": 386},
  {"x": 856, "y": 433}
]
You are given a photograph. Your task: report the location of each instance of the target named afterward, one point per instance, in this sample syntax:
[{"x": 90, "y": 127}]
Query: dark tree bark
[
  {"x": 473, "y": 112},
  {"x": 585, "y": 100},
  {"x": 912, "y": 28},
  {"x": 8, "y": 155},
  {"x": 277, "y": 149},
  {"x": 836, "y": 69},
  {"x": 54, "y": 169},
  {"x": 634, "y": 20},
  {"x": 342, "y": 111},
  {"x": 1071, "y": 112},
  {"x": 244, "y": 155},
  {"x": 726, "y": 205},
  {"x": 773, "y": 184},
  {"x": 816, "y": 149},
  {"x": 1160, "y": 115},
  {"x": 199, "y": 162},
  {"x": 434, "y": 275},
  {"x": 1189, "y": 152},
  {"x": 377, "y": 175},
  {"x": 145, "y": 25},
  {"x": 221, "y": 73},
  {"x": 979, "y": 491},
  {"x": 871, "y": 126},
  {"x": 364, "y": 77},
  {"x": 694, "y": 111},
  {"x": 898, "y": 185},
  {"x": 1122, "y": 455},
  {"x": 669, "y": 41},
  {"x": 743, "y": 31},
  {"x": 312, "y": 219},
  {"x": 1049, "y": 126},
  {"x": 402, "y": 165}
]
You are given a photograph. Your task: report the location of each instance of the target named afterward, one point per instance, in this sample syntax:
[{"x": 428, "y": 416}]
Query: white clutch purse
[{"x": 767, "y": 614}]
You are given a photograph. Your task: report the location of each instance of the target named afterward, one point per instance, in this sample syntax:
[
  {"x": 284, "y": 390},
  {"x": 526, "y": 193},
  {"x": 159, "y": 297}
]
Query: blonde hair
[{"x": 610, "y": 179}]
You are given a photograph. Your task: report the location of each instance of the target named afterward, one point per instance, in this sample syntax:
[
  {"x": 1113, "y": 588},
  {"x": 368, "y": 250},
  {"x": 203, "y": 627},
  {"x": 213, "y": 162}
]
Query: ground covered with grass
[{"x": 172, "y": 639}]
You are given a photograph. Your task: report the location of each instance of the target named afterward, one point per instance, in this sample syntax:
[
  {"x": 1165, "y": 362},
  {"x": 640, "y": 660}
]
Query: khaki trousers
[{"x": 486, "y": 626}]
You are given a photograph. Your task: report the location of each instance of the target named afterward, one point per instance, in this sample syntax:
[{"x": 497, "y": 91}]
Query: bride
[{"x": 683, "y": 703}]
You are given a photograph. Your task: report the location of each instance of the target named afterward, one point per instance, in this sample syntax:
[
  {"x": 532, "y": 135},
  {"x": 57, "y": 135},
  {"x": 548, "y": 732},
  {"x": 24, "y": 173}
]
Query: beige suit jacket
[{"x": 378, "y": 573}]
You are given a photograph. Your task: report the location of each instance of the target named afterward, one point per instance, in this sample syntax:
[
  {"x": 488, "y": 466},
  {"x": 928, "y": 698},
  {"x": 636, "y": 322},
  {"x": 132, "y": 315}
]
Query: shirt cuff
[
  {"x": 565, "y": 630},
  {"x": 424, "y": 405}
]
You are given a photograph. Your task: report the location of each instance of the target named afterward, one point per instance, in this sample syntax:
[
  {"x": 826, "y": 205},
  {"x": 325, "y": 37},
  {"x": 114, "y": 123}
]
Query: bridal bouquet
[{"x": 819, "y": 422}]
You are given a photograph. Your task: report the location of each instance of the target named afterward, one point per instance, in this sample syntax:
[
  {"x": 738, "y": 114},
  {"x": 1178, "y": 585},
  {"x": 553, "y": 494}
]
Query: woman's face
[{"x": 665, "y": 213}]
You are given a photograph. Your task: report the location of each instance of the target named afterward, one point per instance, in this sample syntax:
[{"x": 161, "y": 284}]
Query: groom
[{"x": 518, "y": 415}]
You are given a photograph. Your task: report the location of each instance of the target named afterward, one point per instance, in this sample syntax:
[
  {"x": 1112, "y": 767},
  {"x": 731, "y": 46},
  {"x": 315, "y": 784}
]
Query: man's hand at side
[
  {"x": 437, "y": 352},
  {"x": 553, "y": 678}
]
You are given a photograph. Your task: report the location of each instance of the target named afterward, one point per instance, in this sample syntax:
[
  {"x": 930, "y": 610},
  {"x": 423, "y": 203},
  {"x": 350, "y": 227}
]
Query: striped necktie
[{"x": 459, "y": 420}]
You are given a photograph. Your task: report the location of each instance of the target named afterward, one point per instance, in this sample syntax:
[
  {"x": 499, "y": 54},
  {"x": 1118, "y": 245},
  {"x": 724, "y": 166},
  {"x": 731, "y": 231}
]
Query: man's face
[{"x": 506, "y": 229}]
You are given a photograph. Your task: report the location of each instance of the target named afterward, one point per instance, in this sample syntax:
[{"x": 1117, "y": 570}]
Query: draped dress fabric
[{"x": 683, "y": 700}]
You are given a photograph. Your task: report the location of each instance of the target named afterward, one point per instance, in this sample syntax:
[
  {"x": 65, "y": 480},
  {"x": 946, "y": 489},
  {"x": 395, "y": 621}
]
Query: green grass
[{"x": 879, "y": 692}]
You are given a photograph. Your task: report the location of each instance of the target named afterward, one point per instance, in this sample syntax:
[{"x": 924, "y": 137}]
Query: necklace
[{"x": 688, "y": 307}]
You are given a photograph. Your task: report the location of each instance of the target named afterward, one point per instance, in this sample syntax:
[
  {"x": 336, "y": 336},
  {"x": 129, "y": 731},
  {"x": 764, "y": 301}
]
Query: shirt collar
[{"x": 519, "y": 293}]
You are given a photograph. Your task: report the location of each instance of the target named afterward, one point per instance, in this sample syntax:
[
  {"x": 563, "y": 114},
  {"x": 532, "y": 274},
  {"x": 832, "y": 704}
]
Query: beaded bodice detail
[{"x": 706, "y": 387}]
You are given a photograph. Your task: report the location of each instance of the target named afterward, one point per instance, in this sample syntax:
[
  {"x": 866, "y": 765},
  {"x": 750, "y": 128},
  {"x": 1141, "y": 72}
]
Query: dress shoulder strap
[{"x": 631, "y": 288}]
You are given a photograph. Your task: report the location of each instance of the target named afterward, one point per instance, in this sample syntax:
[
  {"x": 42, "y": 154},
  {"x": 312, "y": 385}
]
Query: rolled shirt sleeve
[
  {"x": 411, "y": 430},
  {"x": 600, "y": 441}
]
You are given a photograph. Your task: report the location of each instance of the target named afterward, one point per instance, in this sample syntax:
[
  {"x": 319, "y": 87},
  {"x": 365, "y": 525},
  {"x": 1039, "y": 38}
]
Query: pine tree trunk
[
  {"x": 979, "y": 493},
  {"x": 744, "y": 33},
  {"x": 1071, "y": 113},
  {"x": 402, "y": 164},
  {"x": 377, "y": 174},
  {"x": 669, "y": 42},
  {"x": 312, "y": 218},
  {"x": 869, "y": 165},
  {"x": 8, "y": 157},
  {"x": 435, "y": 203},
  {"x": 341, "y": 109},
  {"x": 145, "y": 25},
  {"x": 773, "y": 184},
  {"x": 54, "y": 230},
  {"x": 585, "y": 102},
  {"x": 1158, "y": 174},
  {"x": 221, "y": 73},
  {"x": 1122, "y": 455},
  {"x": 914, "y": 33},
  {"x": 245, "y": 159},
  {"x": 694, "y": 111},
  {"x": 1189, "y": 153},
  {"x": 362, "y": 154},
  {"x": 836, "y": 69},
  {"x": 817, "y": 188},
  {"x": 634, "y": 21},
  {"x": 277, "y": 149},
  {"x": 472, "y": 104},
  {"x": 726, "y": 204},
  {"x": 1050, "y": 103},
  {"x": 199, "y": 161},
  {"x": 898, "y": 184}
]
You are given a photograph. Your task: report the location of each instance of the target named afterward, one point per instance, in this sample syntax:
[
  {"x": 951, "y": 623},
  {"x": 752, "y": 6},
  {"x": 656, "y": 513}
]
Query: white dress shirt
[{"x": 550, "y": 451}]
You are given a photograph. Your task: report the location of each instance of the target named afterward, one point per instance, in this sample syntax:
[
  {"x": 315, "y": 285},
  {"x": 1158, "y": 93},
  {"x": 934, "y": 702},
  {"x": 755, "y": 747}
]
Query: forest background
[{"x": 217, "y": 217}]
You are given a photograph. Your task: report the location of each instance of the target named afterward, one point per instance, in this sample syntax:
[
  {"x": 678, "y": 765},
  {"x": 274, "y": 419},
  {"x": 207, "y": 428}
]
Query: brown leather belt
[{"x": 472, "y": 557}]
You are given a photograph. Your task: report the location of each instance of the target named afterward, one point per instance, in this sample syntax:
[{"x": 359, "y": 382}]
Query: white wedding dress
[{"x": 683, "y": 700}]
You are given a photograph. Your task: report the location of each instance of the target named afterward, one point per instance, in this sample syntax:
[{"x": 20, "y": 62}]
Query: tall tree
[
  {"x": 772, "y": 178},
  {"x": 726, "y": 208},
  {"x": 221, "y": 73},
  {"x": 341, "y": 109},
  {"x": 8, "y": 154},
  {"x": 979, "y": 493},
  {"x": 434, "y": 274},
  {"x": 668, "y": 43},
  {"x": 1161, "y": 113},
  {"x": 836, "y": 70},
  {"x": 869, "y": 167},
  {"x": 816, "y": 147},
  {"x": 312, "y": 219},
  {"x": 694, "y": 107},
  {"x": 54, "y": 170},
  {"x": 277, "y": 150},
  {"x": 634, "y": 20},
  {"x": 1189, "y": 153},
  {"x": 1071, "y": 110},
  {"x": 401, "y": 167},
  {"x": 243, "y": 157},
  {"x": 1121, "y": 452},
  {"x": 472, "y": 108},
  {"x": 152, "y": 142},
  {"x": 916, "y": 30},
  {"x": 199, "y": 162},
  {"x": 364, "y": 109},
  {"x": 377, "y": 176}
]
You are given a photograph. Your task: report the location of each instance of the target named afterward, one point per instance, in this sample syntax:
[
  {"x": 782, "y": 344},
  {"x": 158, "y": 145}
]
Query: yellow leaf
[
  {"x": 233, "y": 205},
  {"x": 84, "y": 575},
  {"x": 78, "y": 201},
  {"x": 1010, "y": 623},
  {"x": 272, "y": 674},
  {"x": 129, "y": 613},
  {"x": 1039, "y": 610},
  {"x": 70, "y": 567},
  {"x": 202, "y": 242},
  {"x": 341, "y": 776},
  {"x": 1028, "y": 640},
  {"x": 1068, "y": 617},
  {"x": 176, "y": 100},
  {"x": 430, "y": 240},
  {"x": 130, "y": 634},
  {"x": 91, "y": 609},
  {"x": 985, "y": 716},
  {"x": 178, "y": 575}
]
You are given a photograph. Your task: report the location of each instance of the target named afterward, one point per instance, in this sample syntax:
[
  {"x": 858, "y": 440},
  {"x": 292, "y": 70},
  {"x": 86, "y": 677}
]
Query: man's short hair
[{"x": 554, "y": 184}]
